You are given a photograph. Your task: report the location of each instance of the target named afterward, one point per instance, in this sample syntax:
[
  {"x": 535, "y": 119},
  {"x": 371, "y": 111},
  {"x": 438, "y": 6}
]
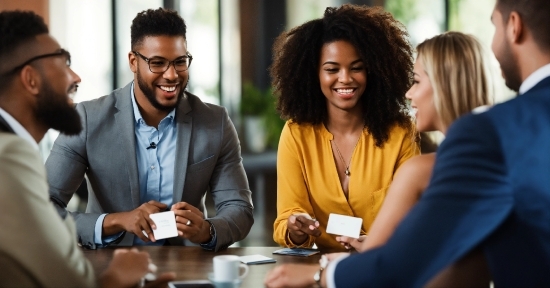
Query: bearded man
[
  {"x": 37, "y": 248},
  {"x": 151, "y": 147}
]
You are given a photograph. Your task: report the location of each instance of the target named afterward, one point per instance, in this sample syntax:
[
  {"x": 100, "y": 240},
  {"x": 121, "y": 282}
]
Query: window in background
[
  {"x": 474, "y": 17},
  {"x": 421, "y": 23},
  {"x": 301, "y": 11},
  {"x": 84, "y": 29},
  {"x": 203, "y": 42},
  {"x": 125, "y": 12}
]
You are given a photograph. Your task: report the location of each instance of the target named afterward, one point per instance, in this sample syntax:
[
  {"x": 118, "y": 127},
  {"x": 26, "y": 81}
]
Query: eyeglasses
[
  {"x": 60, "y": 52},
  {"x": 160, "y": 65}
]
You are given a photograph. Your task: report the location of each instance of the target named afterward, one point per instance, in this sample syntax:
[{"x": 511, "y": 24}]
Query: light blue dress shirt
[{"x": 155, "y": 167}]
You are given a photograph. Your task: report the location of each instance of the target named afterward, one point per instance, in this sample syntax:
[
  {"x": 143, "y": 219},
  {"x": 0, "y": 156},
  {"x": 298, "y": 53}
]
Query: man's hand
[
  {"x": 135, "y": 221},
  {"x": 300, "y": 226},
  {"x": 128, "y": 267},
  {"x": 190, "y": 222},
  {"x": 291, "y": 275},
  {"x": 349, "y": 242}
]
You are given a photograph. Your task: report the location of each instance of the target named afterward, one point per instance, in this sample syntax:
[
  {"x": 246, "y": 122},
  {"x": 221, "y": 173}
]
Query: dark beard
[
  {"x": 150, "y": 94},
  {"x": 510, "y": 69},
  {"x": 54, "y": 111}
]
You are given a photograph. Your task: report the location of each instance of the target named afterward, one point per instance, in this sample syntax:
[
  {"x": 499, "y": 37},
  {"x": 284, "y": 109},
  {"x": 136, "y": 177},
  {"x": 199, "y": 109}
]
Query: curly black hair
[
  {"x": 382, "y": 44},
  {"x": 155, "y": 23},
  {"x": 16, "y": 28}
]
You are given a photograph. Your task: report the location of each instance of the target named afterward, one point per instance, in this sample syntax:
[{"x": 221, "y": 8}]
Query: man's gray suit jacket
[{"x": 208, "y": 158}]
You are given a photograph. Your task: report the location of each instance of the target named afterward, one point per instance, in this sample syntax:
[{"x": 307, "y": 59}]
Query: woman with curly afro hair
[{"x": 341, "y": 82}]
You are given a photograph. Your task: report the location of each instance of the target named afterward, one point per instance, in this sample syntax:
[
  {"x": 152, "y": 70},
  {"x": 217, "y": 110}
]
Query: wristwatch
[
  {"x": 210, "y": 245},
  {"x": 211, "y": 231}
]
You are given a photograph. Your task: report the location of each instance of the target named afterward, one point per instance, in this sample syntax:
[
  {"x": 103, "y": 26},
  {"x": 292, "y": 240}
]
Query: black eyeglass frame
[
  {"x": 60, "y": 52},
  {"x": 173, "y": 62}
]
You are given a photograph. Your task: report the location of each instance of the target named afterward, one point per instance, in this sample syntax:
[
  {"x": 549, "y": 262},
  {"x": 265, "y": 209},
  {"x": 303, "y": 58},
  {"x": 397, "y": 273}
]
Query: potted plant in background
[
  {"x": 261, "y": 123},
  {"x": 273, "y": 122},
  {"x": 253, "y": 105}
]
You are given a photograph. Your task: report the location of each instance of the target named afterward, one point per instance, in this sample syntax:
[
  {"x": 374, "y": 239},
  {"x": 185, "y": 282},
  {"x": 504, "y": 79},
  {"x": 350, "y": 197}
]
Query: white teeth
[
  {"x": 168, "y": 88},
  {"x": 345, "y": 91}
]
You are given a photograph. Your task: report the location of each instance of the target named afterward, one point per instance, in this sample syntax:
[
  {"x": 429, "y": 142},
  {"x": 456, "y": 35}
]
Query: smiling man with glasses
[{"x": 152, "y": 147}]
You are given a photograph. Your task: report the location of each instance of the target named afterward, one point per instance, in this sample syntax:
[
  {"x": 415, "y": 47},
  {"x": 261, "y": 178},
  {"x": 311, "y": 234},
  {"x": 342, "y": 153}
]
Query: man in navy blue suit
[{"x": 486, "y": 212}]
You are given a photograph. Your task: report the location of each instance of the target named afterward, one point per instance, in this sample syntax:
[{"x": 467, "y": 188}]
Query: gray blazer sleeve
[
  {"x": 66, "y": 166},
  {"x": 230, "y": 191}
]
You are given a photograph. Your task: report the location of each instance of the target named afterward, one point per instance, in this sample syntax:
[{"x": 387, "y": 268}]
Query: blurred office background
[{"x": 230, "y": 41}]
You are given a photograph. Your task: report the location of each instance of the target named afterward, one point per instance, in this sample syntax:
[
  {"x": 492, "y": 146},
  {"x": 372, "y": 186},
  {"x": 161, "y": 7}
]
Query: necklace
[{"x": 348, "y": 173}]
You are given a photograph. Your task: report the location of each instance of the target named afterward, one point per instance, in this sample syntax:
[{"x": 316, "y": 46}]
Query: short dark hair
[
  {"x": 382, "y": 44},
  {"x": 534, "y": 13},
  {"x": 16, "y": 28},
  {"x": 156, "y": 23}
]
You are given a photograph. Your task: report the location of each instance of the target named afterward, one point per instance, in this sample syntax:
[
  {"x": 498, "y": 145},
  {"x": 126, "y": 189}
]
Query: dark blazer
[
  {"x": 208, "y": 157},
  {"x": 490, "y": 189}
]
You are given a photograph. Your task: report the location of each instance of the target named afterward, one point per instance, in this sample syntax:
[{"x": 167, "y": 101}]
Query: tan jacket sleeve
[{"x": 37, "y": 247}]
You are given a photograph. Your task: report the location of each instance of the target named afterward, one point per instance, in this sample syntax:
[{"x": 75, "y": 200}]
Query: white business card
[
  {"x": 344, "y": 225},
  {"x": 256, "y": 259},
  {"x": 166, "y": 225}
]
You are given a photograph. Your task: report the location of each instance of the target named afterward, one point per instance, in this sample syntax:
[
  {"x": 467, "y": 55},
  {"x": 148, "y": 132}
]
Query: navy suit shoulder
[{"x": 518, "y": 253}]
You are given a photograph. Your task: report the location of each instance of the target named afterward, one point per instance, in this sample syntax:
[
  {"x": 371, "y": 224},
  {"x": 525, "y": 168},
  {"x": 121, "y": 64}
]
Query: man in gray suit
[{"x": 151, "y": 147}]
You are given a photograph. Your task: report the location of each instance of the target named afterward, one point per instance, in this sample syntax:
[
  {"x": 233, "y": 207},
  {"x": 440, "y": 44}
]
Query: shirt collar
[
  {"x": 18, "y": 128},
  {"x": 534, "y": 78},
  {"x": 137, "y": 113}
]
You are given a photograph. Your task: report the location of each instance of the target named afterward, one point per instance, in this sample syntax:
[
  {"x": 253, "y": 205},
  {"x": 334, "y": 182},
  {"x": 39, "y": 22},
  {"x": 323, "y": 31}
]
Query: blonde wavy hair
[{"x": 458, "y": 72}]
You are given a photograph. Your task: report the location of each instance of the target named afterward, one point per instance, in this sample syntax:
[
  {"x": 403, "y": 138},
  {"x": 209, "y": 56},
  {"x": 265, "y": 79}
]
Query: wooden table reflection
[{"x": 192, "y": 263}]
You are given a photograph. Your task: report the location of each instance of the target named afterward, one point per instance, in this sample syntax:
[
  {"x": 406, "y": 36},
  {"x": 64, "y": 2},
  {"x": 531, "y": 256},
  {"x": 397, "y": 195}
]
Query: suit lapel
[
  {"x": 184, "y": 126},
  {"x": 125, "y": 122},
  {"x": 4, "y": 126}
]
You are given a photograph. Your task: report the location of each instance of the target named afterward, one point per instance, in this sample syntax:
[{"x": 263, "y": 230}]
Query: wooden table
[{"x": 192, "y": 263}]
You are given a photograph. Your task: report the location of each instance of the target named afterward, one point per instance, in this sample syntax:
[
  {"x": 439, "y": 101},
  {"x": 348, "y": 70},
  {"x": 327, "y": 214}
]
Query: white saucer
[{"x": 231, "y": 284}]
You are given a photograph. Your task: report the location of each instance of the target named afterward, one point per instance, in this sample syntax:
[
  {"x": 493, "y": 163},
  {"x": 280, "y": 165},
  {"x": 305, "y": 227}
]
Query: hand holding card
[
  {"x": 166, "y": 225},
  {"x": 344, "y": 225}
]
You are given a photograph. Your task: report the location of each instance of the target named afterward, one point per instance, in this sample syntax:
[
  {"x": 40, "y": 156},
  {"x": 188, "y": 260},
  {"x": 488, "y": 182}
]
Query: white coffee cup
[{"x": 226, "y": 268}]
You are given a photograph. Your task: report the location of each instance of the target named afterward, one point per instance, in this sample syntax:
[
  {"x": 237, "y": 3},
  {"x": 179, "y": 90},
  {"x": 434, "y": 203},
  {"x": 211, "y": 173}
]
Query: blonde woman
[{"x": 450, "y": 80}]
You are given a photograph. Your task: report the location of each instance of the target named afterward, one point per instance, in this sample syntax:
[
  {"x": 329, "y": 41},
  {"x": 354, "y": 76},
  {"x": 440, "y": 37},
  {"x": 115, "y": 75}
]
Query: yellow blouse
[{"x": 307, "y": 179}]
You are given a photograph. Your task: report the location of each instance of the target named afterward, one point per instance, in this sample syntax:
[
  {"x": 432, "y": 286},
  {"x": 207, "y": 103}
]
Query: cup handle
[{"x": 245, "y": 269}]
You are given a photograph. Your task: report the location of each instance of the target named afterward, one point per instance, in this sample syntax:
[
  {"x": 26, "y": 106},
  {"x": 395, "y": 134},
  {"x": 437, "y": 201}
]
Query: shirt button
[{"x": 152, "y": 167}]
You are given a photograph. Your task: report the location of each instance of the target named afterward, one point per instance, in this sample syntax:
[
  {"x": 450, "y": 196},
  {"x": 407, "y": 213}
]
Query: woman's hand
[
  {"x": 333, "y": 256},
  {"x": 349, "y": 242},
  {"x": 300, "y": 226}
]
